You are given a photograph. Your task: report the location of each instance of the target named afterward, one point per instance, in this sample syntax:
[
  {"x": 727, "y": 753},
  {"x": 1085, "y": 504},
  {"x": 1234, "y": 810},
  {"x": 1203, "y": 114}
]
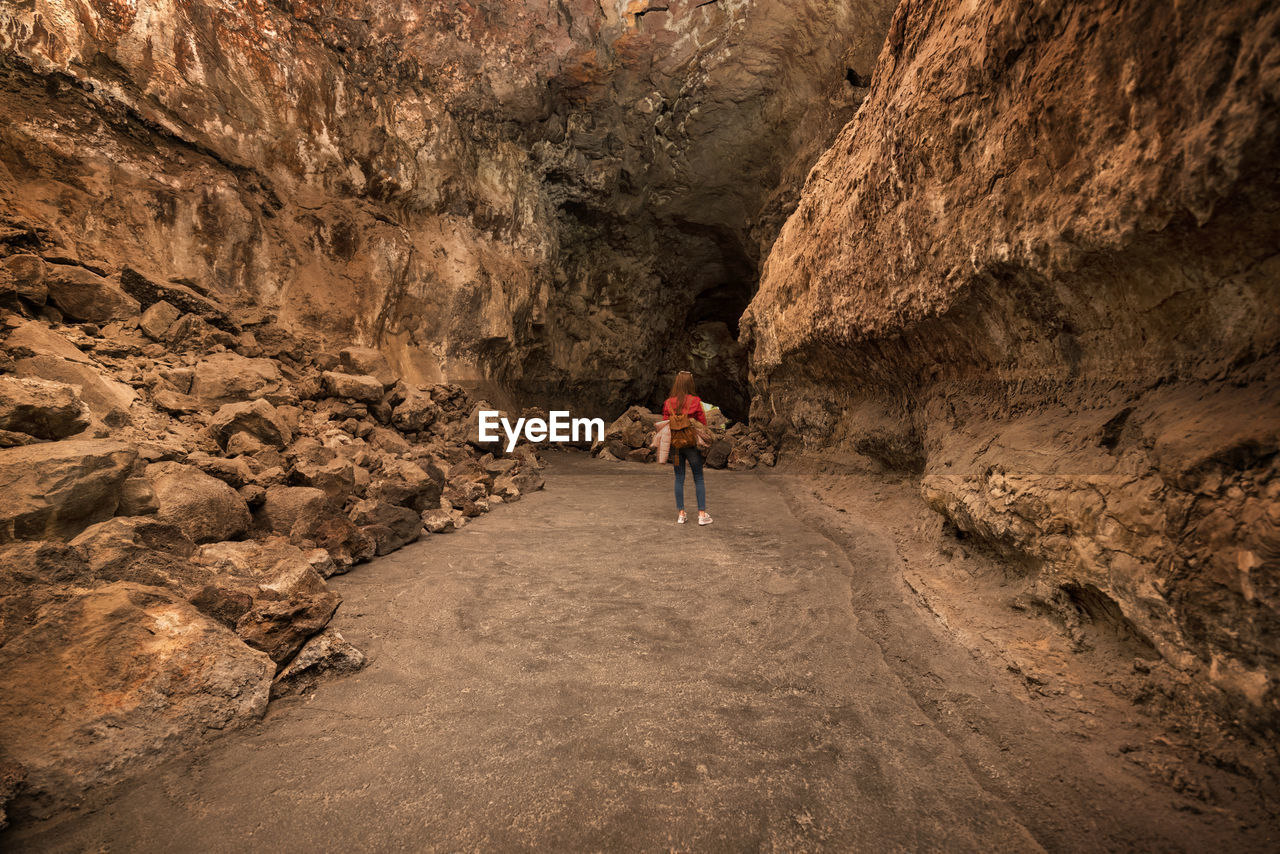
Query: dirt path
[{"x": 576, "y": 673}]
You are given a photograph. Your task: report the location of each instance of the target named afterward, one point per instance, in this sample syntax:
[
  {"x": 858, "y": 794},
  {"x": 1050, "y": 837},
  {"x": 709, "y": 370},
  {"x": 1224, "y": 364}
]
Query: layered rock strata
[{"x": 1039, "y": 270}]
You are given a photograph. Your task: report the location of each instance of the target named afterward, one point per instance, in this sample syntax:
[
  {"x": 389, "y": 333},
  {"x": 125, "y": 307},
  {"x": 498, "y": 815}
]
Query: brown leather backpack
[{"x": 682, "y": 433}]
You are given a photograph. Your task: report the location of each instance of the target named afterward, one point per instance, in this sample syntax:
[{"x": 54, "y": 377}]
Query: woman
[{"x": 683, "y": 400}]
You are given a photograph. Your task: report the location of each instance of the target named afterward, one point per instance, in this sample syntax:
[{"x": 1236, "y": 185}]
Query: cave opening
[{"x": 721, "y": 276}]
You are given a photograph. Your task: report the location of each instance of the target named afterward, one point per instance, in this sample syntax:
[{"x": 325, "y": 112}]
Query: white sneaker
[
  {"x": 704, "y": 519},
  {"x": 681, "y": 519}
]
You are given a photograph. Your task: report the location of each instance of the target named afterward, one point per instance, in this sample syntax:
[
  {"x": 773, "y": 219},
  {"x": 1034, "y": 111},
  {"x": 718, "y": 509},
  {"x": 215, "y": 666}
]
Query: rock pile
[
  {"x": 178, "y": 484},
  {"x": 736, "y": 447}
]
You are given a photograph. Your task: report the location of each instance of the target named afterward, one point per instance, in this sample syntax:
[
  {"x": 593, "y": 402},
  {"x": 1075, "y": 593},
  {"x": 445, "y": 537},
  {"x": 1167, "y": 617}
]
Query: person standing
[{"x": 680, "y": 409}]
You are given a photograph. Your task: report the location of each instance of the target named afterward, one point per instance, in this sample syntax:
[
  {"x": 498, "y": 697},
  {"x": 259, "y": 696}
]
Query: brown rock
[
  {"x": 718, "y": 454},
  {"x": 33, "y": 574},
  {"x": 43, "y": 409},
  {"x": 182, "y": 297},
  {"x": 438, "y": 521},
  {"x": 106, "y": 398},
  {"x": 258, "y": 418},
  {"x": 283, "y": 506},
  {"x": 56, "y": 489},
  {"x": 230, "y": 377},
  {"x": 116, "y": 680},
  {"x": 328, "y": 653},
  {"x": 84, "y": 295},
  {"x": 205, "y": 508},
  {"x": 23, "y": 275},
  {"x": 366, "y": 361},
  {"x": 353, "y": 387},
  {"x": 280, "y": 628},
  {"x": 390, "y": 526},
  {"x": 416, "y": 412},
  {"x": 191, "y": 333},
  {"x": 140, "y": 549},
  {"x": 158, "y": 319}
]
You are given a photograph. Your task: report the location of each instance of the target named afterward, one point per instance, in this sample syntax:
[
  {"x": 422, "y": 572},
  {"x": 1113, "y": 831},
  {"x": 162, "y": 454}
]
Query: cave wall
[
  {"x": 534, "y": 193},
  {"x": 1039, "y": 269}
]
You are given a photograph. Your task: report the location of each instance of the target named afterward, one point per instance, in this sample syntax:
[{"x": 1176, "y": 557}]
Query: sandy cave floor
[{"x": 821, "y": 669}]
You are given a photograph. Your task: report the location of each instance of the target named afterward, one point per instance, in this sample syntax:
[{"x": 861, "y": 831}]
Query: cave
[{"x": 981, "y": 303}]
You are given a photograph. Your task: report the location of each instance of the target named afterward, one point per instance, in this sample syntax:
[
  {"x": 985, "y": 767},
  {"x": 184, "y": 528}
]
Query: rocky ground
[
  {"x": 631, "y": 438},
  {"x": 180, "y": 485},
  {"x": 785, "y": 684}
]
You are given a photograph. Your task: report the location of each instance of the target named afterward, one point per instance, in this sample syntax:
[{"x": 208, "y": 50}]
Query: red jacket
[{"x": 692, "y": 407}]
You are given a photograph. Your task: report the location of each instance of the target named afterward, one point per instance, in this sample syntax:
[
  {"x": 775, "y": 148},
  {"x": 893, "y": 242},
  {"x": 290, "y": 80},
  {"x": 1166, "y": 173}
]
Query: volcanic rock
[
  {"x": 54, "y": 490},
  {"x": 115, "y": 680},
  {"x": 205, "y": 508},
  {"x": 45, "y": 410},
  {"x": 84, "y": 295},
  {"x": 326, "y": 653}
]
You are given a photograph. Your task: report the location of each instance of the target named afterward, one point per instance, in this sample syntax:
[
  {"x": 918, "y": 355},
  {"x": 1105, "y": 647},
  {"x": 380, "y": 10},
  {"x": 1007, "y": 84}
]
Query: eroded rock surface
[{"x": 1038, "y": 269}]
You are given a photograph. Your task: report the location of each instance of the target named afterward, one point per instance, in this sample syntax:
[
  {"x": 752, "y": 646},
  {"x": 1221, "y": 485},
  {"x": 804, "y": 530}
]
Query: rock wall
[
  {"x": 1039, "y": 270},
  {"x": 545, "y": 194}
]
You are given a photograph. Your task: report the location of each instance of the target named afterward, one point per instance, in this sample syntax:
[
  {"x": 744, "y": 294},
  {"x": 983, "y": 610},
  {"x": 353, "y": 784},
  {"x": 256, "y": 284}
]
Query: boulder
[
  {"x": 271, "y": 569},
  {"x": 54, "y": 490},
  {"x": 717, "y": 456},
  {"x": 192, "y": 333},
  {"x": 140, "y": 549},
  {"x": 230, "y": 377},
  {"x": 283, "y": 506},
  {"x": 158, "y": 319},
  {"x": 438, "y": 521},
  {"x": 390, "y": 526},
  {"x": 81, "y": 294},
  {"x": 107, "y": 399},
  {"x": 182, "y": 297},
  {"x": 328, "y": 653},
  {"x": 337, "y": 477},
  {"x": 205, "y": 508},
  {"x": 137, "y": 497},
  {"x": 406, "y": 484},
  {"x": 118, "y": 679},
  {"x": 416, "y": 412},
  {"x": 280, "y": 628},
  {"x": 388, "y": 440},
  {"x": 43, "y": 409},
  {"x": 352, "y": 386},
  {"x": 175, "y": 403},
  {"x": 328, "y": 529},
  {"x": 366, "y": 361},
  {"x": 258, "y": 418},
  {"x": 222, "y": 602},
  {"x": 235, "y": 473},
  {"x": 23, "y": 275},
  {"x": 33, "y": 574}
]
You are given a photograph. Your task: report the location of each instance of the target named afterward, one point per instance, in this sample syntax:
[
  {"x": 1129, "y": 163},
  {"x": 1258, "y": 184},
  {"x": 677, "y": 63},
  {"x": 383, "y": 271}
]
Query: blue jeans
[{"x": 694, "y": 456}]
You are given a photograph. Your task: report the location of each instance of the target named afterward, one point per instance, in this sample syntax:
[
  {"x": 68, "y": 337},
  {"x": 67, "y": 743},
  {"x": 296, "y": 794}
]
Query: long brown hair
[{"x": 682, "y": 387}]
